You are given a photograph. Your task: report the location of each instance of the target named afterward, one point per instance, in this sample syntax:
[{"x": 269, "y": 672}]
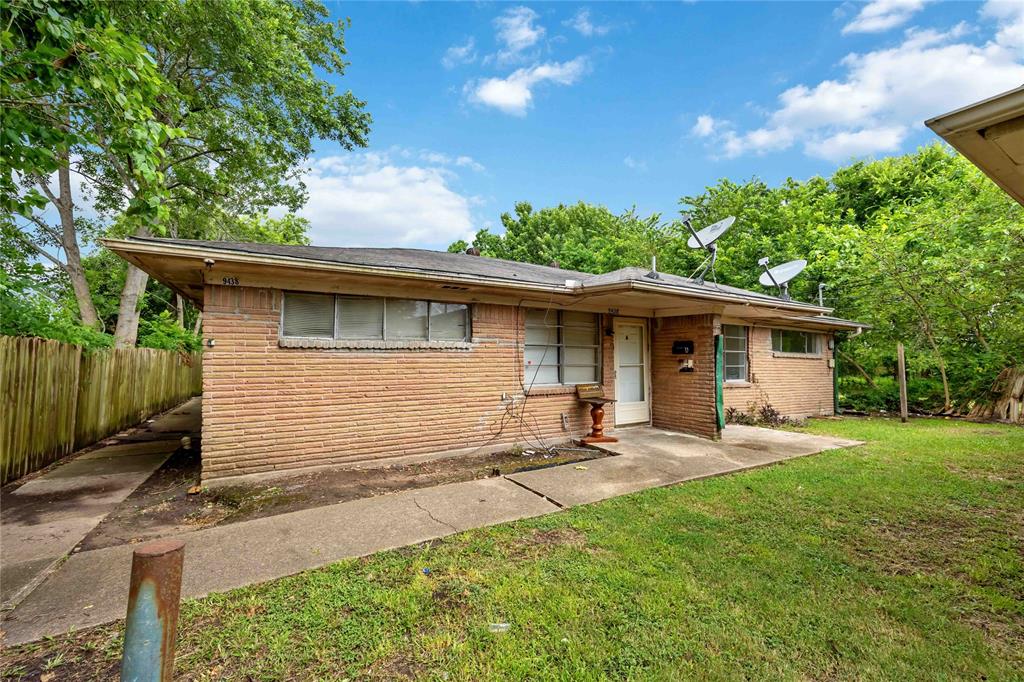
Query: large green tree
[
  {"x": 68, "y": 68},
  {"x": 247, "y": 91}
]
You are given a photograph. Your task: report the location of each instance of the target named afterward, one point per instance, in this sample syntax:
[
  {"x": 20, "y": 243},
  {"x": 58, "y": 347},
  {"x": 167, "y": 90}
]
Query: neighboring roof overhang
[
  {"x": 187, "y": 269},
  {"x": 991, "y": 134}
]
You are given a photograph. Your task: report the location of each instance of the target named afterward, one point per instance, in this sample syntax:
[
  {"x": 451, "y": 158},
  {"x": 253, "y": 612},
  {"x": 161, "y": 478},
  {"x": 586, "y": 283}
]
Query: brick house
[{"x": 340, "y": 356}]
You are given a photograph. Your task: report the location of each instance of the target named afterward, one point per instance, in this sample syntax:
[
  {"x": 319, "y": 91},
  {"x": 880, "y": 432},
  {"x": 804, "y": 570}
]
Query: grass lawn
[{"x": 901, "y": 559}]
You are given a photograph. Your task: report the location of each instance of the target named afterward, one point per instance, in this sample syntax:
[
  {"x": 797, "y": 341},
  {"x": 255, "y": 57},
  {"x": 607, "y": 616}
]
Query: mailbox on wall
[{"x": 682, "y": 348}]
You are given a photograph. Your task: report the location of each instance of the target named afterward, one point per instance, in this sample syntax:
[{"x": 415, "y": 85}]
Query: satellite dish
[
  {"x": 705, "y": 238},
  {"x": 780, "y": 275}
]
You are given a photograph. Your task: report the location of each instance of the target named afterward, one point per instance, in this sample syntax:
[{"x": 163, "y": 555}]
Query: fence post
[
  {"x": 901, "y": 361},
  {"x": 151, "y": 628}
]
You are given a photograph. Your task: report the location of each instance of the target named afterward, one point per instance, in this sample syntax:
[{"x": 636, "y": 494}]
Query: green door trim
[{"x": 719, "y": 376}]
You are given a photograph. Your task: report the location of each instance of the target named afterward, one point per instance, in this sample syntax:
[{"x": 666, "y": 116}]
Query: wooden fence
[{"x": 56, "y": 398}]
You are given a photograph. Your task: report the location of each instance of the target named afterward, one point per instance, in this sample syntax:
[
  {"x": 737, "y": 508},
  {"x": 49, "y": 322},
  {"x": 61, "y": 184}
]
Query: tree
[
  {"x": 577, "y": 237},
  {"x": 250, "y": 99},
  {"x": 68, "y": 68},
  {"x": 246, "y": 91}
]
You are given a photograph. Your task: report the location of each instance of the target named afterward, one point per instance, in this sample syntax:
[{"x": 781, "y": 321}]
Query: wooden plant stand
[{"x": 593, "y": 395}]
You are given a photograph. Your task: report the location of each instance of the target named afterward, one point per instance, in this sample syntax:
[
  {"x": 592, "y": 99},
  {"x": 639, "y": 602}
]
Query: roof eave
[
  {"x": 704, "y": 295},
  {"x": 152, "y": 248}
]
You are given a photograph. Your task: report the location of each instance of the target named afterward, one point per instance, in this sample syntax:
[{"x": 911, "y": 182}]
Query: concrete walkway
[
  {"x": 45, "y": 518},
  {"x": 90, "y": 588},
  {"x": 650, "y": 458}
]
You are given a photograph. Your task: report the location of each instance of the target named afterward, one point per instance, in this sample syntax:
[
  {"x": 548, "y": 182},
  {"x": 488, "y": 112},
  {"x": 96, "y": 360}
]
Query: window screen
[
  {"x": 309, "y": 315},
  {"x": 365, "y": 318},
  {"x": 790, "y": 341},
  {"x": 360, "y": 318},
  {"x": 562, "y": 347},
  {"x": 735, "y": 354},
  {"x": 448, "y": 321},
  {"x": 405, "y": 319}
]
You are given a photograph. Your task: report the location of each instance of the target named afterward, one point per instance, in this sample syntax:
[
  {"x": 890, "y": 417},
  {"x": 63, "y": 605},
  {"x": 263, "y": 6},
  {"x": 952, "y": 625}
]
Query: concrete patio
[
  {"x": 90, "y": 588},
  {"x": 650, "y": 458}
]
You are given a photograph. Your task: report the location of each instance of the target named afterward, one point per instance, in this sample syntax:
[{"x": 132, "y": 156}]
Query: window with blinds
[
  {"x": 792, "y": 341},
  {"x": 562, "y": 347},
  {"x": 734, "y": 358},
  {"x": 360, "y": 318}
]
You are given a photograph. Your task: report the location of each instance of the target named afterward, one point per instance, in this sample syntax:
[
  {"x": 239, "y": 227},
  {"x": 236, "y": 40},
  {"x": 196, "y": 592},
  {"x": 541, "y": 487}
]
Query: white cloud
[
  {"x": 440, "y": 159},
  {"x": 635, "y": 164},
  {"x": 460, "y": 54},
  {"x": 704, "y": 127},
  {"x": 514, "y": 94},
  {"x": 518, "y": 31},
  {"x": 882, "y": 15},
  {"x": 883, "y": 95},
  {"x": 584, "y": 26},
  {"x": 1010, "y": 19},
  {"x": 846, "y": 144},
  {"x": 367, "y": 199}
]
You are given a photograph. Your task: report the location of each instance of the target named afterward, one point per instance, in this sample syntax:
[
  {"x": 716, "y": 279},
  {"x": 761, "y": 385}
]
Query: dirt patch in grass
[
  {"x": 162, "y": 506},
  {"x": 396, "y": 667},
  {"x": 93, "y": 654},
  {"x": 538, "y": 542},
  {"x": 971, "y": 547}
]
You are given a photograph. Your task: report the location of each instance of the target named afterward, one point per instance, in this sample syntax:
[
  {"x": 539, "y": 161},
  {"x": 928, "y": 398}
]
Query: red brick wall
[
  {"x": 684, "y": 401},
  {"x": 795, "y": 386},
  {"x": 268, "y": 408}
]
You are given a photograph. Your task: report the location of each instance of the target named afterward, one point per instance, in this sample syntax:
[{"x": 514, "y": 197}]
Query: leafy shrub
[
  {"x": 164, "y": 332},
  {"x": 734, "y": 416},
  {"x": 923, "y": 394}
]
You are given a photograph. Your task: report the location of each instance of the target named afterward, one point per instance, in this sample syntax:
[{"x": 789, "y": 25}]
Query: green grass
[{"x": 901, "y": 559}]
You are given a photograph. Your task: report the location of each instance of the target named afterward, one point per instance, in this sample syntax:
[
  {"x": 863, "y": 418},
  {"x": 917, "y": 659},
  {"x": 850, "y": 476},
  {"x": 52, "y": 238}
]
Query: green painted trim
[
  {"x": 719, "y": 376},
  {"x": 835, "y": 376}
]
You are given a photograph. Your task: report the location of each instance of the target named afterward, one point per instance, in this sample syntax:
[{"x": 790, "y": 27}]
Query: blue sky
[{"x": 477, "y": 106}]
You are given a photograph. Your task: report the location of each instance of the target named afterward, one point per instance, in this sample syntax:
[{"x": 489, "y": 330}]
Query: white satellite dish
[
  {"x": 780, "y": 275},
  {"x": 705, "y": 238}
]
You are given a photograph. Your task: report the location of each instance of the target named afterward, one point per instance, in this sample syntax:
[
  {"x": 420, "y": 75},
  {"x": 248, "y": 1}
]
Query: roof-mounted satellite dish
[
  {"x": 780, "y": 275},
  {"x": 705, "y": 238}
]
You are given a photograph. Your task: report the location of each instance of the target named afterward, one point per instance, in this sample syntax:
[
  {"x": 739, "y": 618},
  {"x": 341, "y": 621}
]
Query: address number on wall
[{"x": 229, "y": 281}]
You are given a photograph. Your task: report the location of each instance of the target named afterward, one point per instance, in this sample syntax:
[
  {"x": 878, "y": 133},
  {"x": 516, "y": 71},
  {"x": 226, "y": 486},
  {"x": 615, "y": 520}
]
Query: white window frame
[
  {"x": 813, "y": 338},
  {"x": 745, "y": 353},
  {"x": 560, "y": 347},
  {"x": 383, "y": 340}
]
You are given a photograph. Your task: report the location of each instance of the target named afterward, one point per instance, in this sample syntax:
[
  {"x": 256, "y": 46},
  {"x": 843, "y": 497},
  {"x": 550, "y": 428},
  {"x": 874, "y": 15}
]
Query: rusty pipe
[{"x": 151, "y": 627}]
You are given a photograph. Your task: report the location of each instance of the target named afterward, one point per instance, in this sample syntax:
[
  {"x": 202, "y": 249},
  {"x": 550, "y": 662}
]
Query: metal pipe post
[{"x": 151, "y": 628}]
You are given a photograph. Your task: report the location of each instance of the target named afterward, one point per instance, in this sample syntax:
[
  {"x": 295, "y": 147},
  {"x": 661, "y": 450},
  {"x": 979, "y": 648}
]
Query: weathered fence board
[{"x": 55, "y": 398}]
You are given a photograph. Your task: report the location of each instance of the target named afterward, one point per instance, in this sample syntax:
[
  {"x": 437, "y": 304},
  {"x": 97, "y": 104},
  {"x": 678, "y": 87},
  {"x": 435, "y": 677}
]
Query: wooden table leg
[{"x": 597, "y": 430}]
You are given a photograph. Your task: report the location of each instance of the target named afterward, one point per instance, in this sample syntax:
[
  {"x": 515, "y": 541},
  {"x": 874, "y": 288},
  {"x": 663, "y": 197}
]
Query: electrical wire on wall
[{"x": 519, "y": 416}]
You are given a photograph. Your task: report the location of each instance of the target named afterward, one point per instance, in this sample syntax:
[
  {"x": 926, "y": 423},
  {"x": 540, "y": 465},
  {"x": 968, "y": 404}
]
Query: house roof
[
  {"x": 991, "y": 134},
  {"x": 151, "y": 253}
]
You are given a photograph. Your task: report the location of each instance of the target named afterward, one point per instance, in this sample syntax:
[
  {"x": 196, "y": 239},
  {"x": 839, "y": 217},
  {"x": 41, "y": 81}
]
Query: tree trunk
[
  {"x": 128, "y": 312},
  {"x": 180, "y": 305},
  {"x": 199, "y": 323},
  {"x": 867, "y": 377},
  {"x": 69, "y": 240}
]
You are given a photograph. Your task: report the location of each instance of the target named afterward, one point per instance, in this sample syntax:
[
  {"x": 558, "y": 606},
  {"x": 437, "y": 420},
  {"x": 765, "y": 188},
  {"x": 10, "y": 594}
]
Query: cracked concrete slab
[
  {"x": 650, "y": 458},
  {"x": 91, "y": 588}
]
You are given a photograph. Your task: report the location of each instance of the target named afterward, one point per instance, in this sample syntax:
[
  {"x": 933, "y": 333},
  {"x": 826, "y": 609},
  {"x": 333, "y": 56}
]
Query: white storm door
[{"x": 632, "y": 392}]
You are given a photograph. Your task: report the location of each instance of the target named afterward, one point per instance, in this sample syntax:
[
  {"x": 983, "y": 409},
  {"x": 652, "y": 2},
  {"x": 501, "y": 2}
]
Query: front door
[{"x": 632, "y": 392}]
